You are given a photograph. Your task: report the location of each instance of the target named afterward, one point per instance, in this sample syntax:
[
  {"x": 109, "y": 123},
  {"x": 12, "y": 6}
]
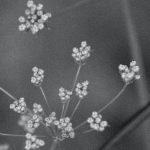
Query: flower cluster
[
  {"x": 50, "y": 119},
  {"x": 19, "y": 106},
  {"x": 81, "y": 89},
  {"x": 37, "y": 108},
  {"x": 129, "y": 74},
  {"x": 32, "y": 142},
  {"x": 23, "y": 122},
  {"x": 65, "y": 127},
  {"x": 36, "y": 18},
  {"x": 38, "y": 76},
  {"x": 64, "y": 94},
  {"x": 34, "y": 122},
  {"x": 82, "y": 53},
  {"x": 96, "y": 122}
]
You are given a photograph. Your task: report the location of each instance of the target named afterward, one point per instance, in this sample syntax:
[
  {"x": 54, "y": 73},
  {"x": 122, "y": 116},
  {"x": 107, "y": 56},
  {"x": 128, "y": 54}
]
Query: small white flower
[
  {"x": 23, "y": 122},
  {"x": 32, "y": 142},
  {"x": 19, "y": 106},
  {"x": 38, "y": 76},
  {"x": 30, "y": 3},
  {"x": 82, "y": 53},
  {"x": 36, "y": 18},
  {"x": 21, "y": 19},
  {"x": 39, "y": 6},
  {"x": 37, "y": 108},
  {"x": 34, "y": 122},
  {"x": 96, "y": 122},
  {"x": 64, "y": 94},
  {"x": 65, "y": 127},
  {"x": 129, "y": 74},
  {"x": 81, "y": 89},
  {"x": 51, "y": 119},
  {"x": 22, "y": 27}
]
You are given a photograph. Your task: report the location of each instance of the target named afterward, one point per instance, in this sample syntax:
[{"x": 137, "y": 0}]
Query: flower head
[
  {"x": 32, "y": 142},
  {"x": 37, "y": 108},
  {"x": 35, "y": 19},
  {"x": 50, "y": 119},
  {"x": 129, "y": 74},
  {"x": 23, "y": 122},
  {"x": 19, "y": 106},
  {"x": 82, "y": 53},
  {"x": 81, "y": 89},
  {"x": 64, "y": 94},
  {"x": 96, "y": 122},
  {"x": 65, "y": 127},
  {"x": 38, "y": 76},
  {"x": 34, "y": 122}
]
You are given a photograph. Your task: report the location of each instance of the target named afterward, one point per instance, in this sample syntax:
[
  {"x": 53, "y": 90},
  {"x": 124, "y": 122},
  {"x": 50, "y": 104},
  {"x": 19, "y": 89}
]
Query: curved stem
[
  {"x": 8, "y": 94},
  {"x": 54, "y": 144},
  {"x": 114, "y": 99},
  {"x": 76, "y": 107},
  {"x": 45, "y": 98}
]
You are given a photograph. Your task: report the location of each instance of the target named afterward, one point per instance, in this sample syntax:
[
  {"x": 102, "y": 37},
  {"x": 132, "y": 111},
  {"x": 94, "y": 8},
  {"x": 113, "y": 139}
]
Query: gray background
[{"x": 103, "y": 26}]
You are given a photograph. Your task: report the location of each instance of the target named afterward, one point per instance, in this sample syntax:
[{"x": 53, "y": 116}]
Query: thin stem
[
  {"x": 8, "y": 94},
  {"x": 88, "y": 131},
  {"x": 16, "y": 135},
  {"x": 76, "y": 77},
  {"x": 54, "y": 144},
  {"x": 114, "y": 99},
  {"x": 45, "y": 98},
  {"x": 108, "y": 104},
  {"x": 75, "y": 6},
  {"x": 62, "y": 112},
  {"x": 73, "y": 87},
  {"x": 81, "y": 124},
  {"x": 76, "y": 107}
]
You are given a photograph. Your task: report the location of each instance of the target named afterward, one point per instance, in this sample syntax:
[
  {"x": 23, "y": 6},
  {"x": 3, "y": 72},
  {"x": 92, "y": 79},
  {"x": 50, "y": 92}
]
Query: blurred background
[{"x": 117, "y": 30}]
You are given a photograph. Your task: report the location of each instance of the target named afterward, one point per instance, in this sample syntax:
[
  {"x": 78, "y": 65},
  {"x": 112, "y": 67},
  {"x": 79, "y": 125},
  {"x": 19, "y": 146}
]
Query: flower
[
  {"x": 96, "y": 122},
  {"x": 37, "y": 108},
  {"x": 64, "y": 94},
  {"x": 38, "y": 76},
  {"x": 34, "y": 122},
  {"x": 129, "y": 74},
  {"x": 82, "y": 53},
  {"x": 35, "y": 19},
  {"x": 65, "y": 127},
  {"x": 19, "y": 106},
  {"x": 23, "y": 122},
  {"x": 32, "y": 142},
  {"x": 81, "y": 89},
  {"x": 50, "y": 119}
]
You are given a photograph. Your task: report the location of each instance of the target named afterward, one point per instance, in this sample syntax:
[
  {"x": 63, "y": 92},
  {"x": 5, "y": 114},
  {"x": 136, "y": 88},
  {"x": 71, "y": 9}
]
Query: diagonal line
[
  {"x": 137, "y": 119},
  {"x": 75, "y": 6}
]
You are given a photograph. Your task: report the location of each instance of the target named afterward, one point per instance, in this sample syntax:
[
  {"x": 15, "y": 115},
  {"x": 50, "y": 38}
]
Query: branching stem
[
  {"x": 45, "y": 97},
  {"x": 73, "y": 87},
  {"x": 75, "y": 109}
]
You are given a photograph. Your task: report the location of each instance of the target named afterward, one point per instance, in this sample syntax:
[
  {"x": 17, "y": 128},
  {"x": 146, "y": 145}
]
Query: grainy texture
[{"x": 102, "y": 25}]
